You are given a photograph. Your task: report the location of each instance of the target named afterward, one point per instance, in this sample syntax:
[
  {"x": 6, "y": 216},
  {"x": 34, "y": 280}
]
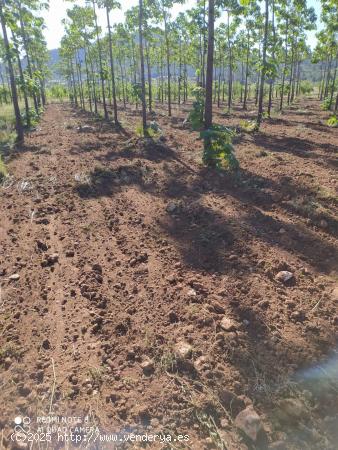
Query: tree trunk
[
  {"x": 143, "y": 87},
  {"x": 18, "y": 121},
  {"x": 168, "y": 60},
  {"x": 112, "y": 70},
  {"x": 210, "y": 64},
  {"x": 100, "y": 63},
  {"x": 150, "y": 94},
  {"x": 261, "y": 87},
  {"x": 246, "y": 70}
]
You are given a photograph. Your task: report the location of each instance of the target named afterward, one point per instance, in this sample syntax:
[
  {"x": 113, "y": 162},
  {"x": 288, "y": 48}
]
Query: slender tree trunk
[
  {"x": 88, "y": 83},
  {"x": 112, "y": 69},
  {"x": 246, "y": 69},
  {"x": 18, "y": 121},
  {"x": 261, "y": 87},
  {"x": 25, "y": 46},
  {"x": 333, "y": 82},
  {"x": 22, "y": 80},
  {"x": 210, "y": 64},
  {"x": 180, "y": 72},
  {"x": 100, "y": 63},
  {"x": 230, "y": 65},
  {"x": 285, "y": 66},
  {"x": 328, "y": 76},
  {"x": 168, "y": 60},
  {"x": 150, "y": 94},
  {"x": 273, "y": 56},
  {"x": 143, "y": 87}
]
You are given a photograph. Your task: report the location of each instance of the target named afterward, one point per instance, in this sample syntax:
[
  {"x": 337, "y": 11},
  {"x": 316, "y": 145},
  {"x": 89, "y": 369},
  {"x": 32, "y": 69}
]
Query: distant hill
[{"x": 54, "y": 56}]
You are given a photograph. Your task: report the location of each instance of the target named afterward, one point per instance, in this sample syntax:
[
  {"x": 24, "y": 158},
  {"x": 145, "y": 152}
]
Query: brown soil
[{"x": 154, "y": 250}]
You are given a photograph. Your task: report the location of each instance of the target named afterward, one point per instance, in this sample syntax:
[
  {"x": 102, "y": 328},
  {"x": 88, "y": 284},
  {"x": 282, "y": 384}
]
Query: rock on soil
[
  {"x": 228, "y": 324},
  {"x": 249, "y": 422},
  {"x": 14, "y": 277},
  {"x": 284, "y": 276}
]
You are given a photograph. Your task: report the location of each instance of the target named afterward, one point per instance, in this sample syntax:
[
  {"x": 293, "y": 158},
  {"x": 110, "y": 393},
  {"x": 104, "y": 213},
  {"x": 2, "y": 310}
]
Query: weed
[
  {"x": 96, "y": 375},
  {"x": 153, "y": 130},
  {"x": 128, "y": 381},
  {"x": 218, "y": 149},
  {"x": 326, "y": 105},
  {"x": 167, "y": 362},
  {"x": 332, "y": 122},
  {"x": 3, "y": 170},
  {"x": 197, "y": 113},
  {"x": 249, "y": 126},
  {"x": 207, "y": 422}
]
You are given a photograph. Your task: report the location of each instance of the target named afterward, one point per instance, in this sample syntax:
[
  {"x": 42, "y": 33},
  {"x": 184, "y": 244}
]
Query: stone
[
  {"x": 284, "y": 276},
  {"x": 228, "y": 324},
  {"x": 217, "y": 308},
  {"x": 97, "y": 268},
  {"x": 201, "y": 363},
  {"x": 147, "y": 366},
  {"x": 183, "y": 350},
  {"x": 171, "y": 207},
  {"x": 53, "y": 259},
  {"x": 14, "y": 277},
  {"x": 7, "y": 362},
  {"x": 46, "y": 344},
  {"x": 249, "y": 422},
  {"x": 334, "y": 294},
  {"x": 85, "y": 129},
  {"x": 41, "y": 245},
  {"x": 191, "y": 293},
  {"x": 173, "y": 317},
  {"x": 70, "y": 253},
  {"x": 298, "y": 316}
]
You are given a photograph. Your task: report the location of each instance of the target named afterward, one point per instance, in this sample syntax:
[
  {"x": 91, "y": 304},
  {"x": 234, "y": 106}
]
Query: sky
[{"x": 57, "y": 12}]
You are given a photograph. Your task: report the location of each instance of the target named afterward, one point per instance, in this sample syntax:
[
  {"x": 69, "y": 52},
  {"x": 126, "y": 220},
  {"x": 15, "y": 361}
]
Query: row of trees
[
  {"x": 24, "y": 58},
  {"x": 266, "y": 46},
  {"x": 326, "y": 52},
  {"x": 258, "y": 47}
]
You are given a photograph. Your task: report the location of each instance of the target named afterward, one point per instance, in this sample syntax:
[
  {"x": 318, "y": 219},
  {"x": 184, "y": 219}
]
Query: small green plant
[
  {"x": 197, "y": 113},
  {"x": 96, "y": 375},
  {"x": 248, "y": 125},
  {"x": 33, "y": 116},
  {"x": 326, "y": 105},
  {"x": 168, "y": 361},
  {"x": 332, "y": 122},
  {"x": 218, "y": 149},
  {"x": 3, "y": 170},
  {"x": 153, "y": 130}
]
